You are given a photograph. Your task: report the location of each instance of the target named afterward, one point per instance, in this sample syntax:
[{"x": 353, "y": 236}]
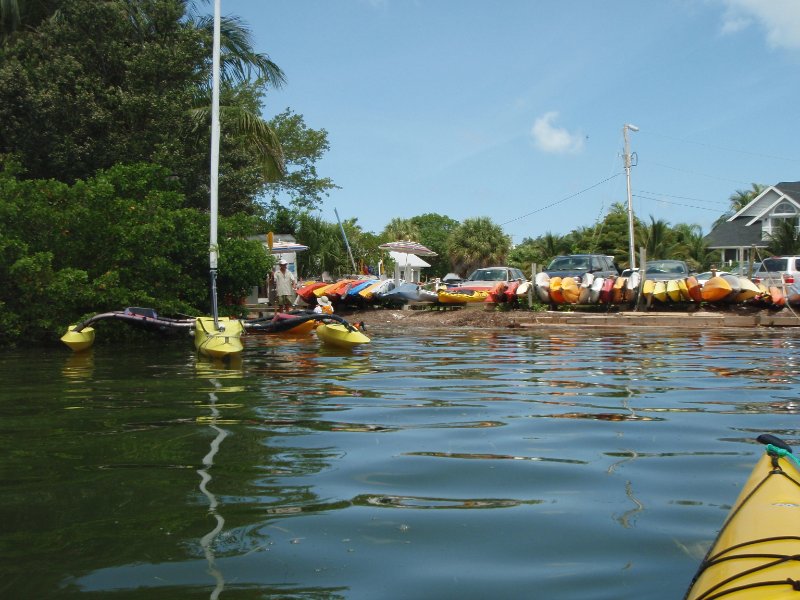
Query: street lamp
[{"x": 631, "y": 245}]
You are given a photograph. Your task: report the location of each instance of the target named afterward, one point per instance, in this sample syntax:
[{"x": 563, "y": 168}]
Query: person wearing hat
[
  {"x": 323, "y": 306},
  {"x": 285, "y": 283}
]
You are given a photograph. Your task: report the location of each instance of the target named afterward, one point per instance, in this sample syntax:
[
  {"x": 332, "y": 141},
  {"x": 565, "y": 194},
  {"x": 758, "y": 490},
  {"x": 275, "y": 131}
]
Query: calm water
[{"x": 433, "y": 464}]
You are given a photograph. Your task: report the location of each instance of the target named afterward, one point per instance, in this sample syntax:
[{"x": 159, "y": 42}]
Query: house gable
[
  {"x": 765, "y": 211},
  {"x": 759, "y": 206}
]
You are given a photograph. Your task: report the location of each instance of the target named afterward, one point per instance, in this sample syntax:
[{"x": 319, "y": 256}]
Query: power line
[
  {"x": 735, "y": 150},
  {"x": 676, "y": 203},
  {"x": 684, "y": 197},
  {"x": 658, "y": 164},
  {"x": 562, "y": 200}
]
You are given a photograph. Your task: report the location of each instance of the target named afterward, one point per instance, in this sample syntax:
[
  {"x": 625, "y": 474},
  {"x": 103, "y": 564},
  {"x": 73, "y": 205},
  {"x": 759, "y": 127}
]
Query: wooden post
[
  {"x": 534, "y": 268},
  {"x": 642, "y": 274}
]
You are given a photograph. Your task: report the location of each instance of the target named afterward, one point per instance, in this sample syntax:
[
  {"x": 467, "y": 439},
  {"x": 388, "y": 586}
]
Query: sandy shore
[{"x": 465, "y": 317}]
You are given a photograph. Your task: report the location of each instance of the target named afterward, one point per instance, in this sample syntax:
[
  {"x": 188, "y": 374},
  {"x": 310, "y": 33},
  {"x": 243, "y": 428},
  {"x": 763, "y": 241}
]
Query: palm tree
[
  {"x": 240, "y": 65},
  {"x": 738, "y": 200},
  {"x": 658, "y": 239},
  {"x": 476, "y": 243},
  {"x": 400, "y": 229},
  {"x": 691, "y": 246},
  {"x": 784, "y": 238},
  {"x": 551, "y": 245},
  {"x": 741, "y": 198}
]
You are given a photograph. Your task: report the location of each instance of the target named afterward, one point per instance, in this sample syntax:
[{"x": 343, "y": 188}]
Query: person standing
[{"x": 285, "y": 283}]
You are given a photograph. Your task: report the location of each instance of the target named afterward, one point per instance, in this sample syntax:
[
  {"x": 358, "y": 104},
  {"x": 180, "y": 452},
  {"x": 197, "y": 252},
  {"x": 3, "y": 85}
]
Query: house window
[
  {"x": 784, "y": 209},
  {"x": 771, "y": 224}
]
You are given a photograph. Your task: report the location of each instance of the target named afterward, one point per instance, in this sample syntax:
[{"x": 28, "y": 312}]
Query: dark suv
[{"x": 577, "y": 265}]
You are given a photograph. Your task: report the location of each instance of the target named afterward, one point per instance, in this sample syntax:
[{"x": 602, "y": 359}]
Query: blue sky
[{"x": 514, "y": 109}]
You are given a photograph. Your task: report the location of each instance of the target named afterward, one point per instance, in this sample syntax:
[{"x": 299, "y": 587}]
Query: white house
[{"x": 752, "y": 226}]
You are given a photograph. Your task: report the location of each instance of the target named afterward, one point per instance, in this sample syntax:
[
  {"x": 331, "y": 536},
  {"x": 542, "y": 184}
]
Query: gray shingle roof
[
  {"x": 735, "y": 234},
  {"x": 791, "y": 189}
]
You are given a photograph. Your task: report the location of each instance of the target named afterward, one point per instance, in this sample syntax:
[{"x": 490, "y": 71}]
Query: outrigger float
[{"x": 224, "y": 339}]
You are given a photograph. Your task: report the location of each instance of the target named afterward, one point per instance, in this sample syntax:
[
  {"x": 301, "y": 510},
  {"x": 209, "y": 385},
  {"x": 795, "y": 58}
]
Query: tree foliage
[
  {"x": 434, "y": 230},
  {"x": 477, "y": 242},
  {"x": 785, "y": 238},
  {"x": 122, "y": 238},
  {"x": 95, "y": 87}
]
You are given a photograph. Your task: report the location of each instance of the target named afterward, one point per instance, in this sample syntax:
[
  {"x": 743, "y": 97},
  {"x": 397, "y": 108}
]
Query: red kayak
[{"x": 306, "y": 292}]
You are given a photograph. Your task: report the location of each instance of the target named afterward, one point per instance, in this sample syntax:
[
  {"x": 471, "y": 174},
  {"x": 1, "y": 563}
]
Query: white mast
[
  {"x": 631, "y": 245},
  {"x": 214, "y": 183}
]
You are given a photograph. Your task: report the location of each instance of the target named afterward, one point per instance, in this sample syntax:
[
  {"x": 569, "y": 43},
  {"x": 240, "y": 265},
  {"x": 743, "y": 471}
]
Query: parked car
[
  {"x": 578, "y": 265},
  {"x": 451, "y": 279},
  {"x": 489, "y": 277},
  {"x": 664, "y": 270},
  {"x": 705, "y": 276},
  {"x": 778, "y": 269}
]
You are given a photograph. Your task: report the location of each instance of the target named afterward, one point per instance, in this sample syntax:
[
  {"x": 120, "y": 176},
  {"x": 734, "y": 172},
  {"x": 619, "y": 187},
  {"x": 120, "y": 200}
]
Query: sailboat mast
[{"x": 214, "y": 183}]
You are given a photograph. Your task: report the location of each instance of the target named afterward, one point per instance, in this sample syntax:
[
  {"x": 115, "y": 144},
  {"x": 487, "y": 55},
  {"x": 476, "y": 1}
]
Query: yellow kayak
[
  {"x": 755, "y": 554},
  {"x": 453, "y": 296},
  {"x": 673, "y": 290},
  {"x": 78, "y": 341},
  {"x": 218, "y": 342},
  {"x": 684, "y": 289},
  {"x": 647, "y": 289},
  {"x": 336, "y": 334},
  {"x": 660, "y": 291}
]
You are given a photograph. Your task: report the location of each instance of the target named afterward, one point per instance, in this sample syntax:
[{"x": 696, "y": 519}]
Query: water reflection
[
  {"x": 483, "y": 463},
  {"x": 207, "y": 541},
  {"x": 79, "y": 366}
]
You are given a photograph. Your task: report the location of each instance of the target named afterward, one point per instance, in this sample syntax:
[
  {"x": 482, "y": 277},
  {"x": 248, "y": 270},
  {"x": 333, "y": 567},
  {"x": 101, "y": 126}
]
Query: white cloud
[
  {"x": 780, "y": 20},
  {"x": 557, "y": 140}
]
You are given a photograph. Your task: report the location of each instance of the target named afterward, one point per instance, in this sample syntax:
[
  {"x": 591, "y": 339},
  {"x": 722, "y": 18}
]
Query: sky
[{"x": 515, "y": 109}]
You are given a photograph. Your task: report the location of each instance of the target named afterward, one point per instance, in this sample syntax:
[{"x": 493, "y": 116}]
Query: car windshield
[
  {"x": 488, "y": 275},
  {"x": 666, "y": 266},
  {"x": 774, "y": 265},
  {"x": 569, "y": 263}
]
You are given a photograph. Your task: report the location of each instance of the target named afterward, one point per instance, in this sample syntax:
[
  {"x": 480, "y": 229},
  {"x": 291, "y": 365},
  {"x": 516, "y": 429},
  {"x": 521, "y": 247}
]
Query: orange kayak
[
  {"x": 694, "y": 289},
  {"x": 716, "y": 289},
  {"x": 570, "y": 290},
  {"x": 555, "y": 290}
]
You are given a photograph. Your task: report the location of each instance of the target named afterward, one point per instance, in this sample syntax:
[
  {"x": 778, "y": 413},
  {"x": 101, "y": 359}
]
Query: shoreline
[{"x": 488, "y": 318}]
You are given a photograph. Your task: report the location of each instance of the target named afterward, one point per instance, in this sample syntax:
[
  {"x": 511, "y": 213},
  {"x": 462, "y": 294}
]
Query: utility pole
[{"x": 631, "y": 245}]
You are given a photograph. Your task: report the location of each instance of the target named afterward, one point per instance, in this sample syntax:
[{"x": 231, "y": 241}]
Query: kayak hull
[
  {"x": 78, "y": 341},
  {"x": 221, "y": 342},
  {"x": 752, "y": 555},
  {"x": 335, "y": 334}
]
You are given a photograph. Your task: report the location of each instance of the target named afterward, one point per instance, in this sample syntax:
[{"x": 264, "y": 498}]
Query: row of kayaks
[
  {"x": 387, "y": 292},
  {"x": 724, "y": 288}
]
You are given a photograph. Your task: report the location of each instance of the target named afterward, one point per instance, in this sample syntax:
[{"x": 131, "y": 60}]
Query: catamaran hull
[
  {"x": 78, "y": 341},
  {"x": 218, "y": 342},
  {"x": 335, "y": 334}
]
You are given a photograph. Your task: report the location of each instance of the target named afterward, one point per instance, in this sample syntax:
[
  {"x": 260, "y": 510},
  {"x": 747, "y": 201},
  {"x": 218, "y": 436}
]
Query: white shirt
[{"x": 284, "y": 282}]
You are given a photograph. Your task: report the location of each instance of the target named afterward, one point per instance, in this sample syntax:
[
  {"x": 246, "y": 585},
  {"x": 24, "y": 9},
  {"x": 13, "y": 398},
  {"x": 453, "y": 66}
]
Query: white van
[{"x": 778, "y": 269}]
